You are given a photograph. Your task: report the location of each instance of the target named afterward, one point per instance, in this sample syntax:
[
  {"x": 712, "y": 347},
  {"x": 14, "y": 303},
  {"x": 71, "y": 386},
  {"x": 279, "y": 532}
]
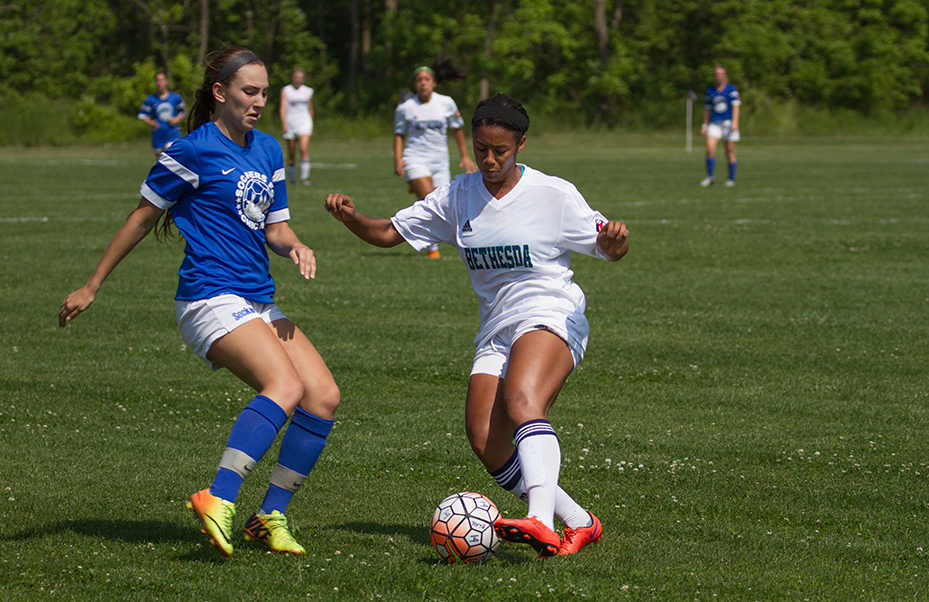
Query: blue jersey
[
  {"x": 221, "y": 196},
  {"x": 720, "y": 103},
  {"x": 161, "y": 110}
]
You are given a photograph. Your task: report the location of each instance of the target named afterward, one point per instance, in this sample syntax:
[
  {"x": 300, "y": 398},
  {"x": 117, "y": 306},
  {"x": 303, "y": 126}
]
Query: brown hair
[
  {"x": 204, "y": 102},
  {"x": 200, "y": 113}
]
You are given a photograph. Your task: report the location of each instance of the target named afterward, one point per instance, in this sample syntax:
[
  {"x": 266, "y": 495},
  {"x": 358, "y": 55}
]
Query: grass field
[{"x": 751, "y": 421}]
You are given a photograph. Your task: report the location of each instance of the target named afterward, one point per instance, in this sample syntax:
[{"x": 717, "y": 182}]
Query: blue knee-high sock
[
  {"x": 301, "y": 447},
  {"x": 252, "y": 434},
  {"x": 732, "y": 167},
  {"x": 710, "y": 166}
]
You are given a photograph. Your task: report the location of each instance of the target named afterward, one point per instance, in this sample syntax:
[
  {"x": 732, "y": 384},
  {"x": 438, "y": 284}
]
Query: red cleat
[
  {"x": 528, "y": 530},
  {"x": 572, "y": 540}
]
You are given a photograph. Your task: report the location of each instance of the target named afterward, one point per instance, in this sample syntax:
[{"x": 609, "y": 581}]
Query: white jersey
[
  {"x": 426, "y": 128},
  {"x": 517, "y": 249},
  {"x": 297, "y": 110}
]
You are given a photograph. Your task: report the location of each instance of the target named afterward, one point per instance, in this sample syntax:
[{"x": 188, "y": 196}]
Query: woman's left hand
[
  {"x": 468, "y": 165},
  {"x": 304, "y": 257},
  {"x": 612, "y": 240}
]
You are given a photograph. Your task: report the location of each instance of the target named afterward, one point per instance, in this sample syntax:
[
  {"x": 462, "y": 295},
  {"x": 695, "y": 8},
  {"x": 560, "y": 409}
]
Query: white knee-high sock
[
  {"x": 540, "y": 458},
  {"x": 570, "y": 513},
  {"x": 304, "y": 170}
]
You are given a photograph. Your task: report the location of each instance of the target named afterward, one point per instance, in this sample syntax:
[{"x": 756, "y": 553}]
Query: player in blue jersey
[
  {"x": 162, "y": 111},
  {"x": 720, "y": 122},
  {"x": 223, "y": 185},
  {"x": 515, "y": 229}
]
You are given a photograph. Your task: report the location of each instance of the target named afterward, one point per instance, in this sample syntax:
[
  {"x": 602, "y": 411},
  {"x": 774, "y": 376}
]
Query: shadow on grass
[
  {"x": 420, "y": 536},
  {"x": 154, "y": 532},
  {"x": 138, "y": 532},
  {"x": 130, "y": 531}
]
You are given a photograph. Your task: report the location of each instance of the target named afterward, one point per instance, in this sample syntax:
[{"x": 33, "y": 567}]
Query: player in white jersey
[
  {"x": 421, "y": 127},
  {"x": 224, "y": 187},
  {"x": 514, "y": 228},
  {"x": 297, "y": 122},
  {"x": 721, "y": 122}
]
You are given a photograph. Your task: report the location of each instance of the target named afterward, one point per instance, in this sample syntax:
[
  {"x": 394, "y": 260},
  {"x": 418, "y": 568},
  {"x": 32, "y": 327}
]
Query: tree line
[{"x": 591, "y": 61}]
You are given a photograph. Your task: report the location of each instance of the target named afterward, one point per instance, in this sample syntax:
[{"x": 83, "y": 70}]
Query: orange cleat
[
  {"x": 528, "y": 530},
  {"x": 572, "y": 540},
  {"x": 216, "y": 516}
]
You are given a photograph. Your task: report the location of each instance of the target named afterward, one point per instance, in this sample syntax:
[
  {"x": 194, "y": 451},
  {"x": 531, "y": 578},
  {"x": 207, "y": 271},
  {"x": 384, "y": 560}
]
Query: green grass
[{"x": 750, "y": 422}]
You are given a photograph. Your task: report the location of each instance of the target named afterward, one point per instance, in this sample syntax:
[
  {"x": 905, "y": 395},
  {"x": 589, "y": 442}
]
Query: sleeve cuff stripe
[
  {"x": 154, "y": 198},
  {"x": 281, "y": 215},
  {"x": 179, "y": 170}
]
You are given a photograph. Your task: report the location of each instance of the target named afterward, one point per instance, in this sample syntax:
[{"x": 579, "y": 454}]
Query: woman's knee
[
  {"x": 522, "y": 407},
  {"x": 322, "y": 400},
  {"x": 287, "y": 393},
  {"x": 331, "y": 397}
]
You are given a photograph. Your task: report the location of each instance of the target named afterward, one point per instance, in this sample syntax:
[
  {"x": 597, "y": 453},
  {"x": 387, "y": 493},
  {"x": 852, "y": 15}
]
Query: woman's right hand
[
  {"x": 341, "y": 207},
  {"x": 74, "y": 304},
  {"x": 398, "y": 167}
]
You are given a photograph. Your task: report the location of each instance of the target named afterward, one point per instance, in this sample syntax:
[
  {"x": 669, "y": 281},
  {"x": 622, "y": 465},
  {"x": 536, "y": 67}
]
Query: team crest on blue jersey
[
  {"x": 165, "y": 111},
  {"x": 254, "y": 195}
]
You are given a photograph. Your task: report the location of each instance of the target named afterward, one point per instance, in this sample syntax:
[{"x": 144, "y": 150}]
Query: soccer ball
[{"x": 462, "y": 528}]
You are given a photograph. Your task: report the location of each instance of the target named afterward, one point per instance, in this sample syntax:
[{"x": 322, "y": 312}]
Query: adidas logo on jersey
[{"x": 466, "y": 227}]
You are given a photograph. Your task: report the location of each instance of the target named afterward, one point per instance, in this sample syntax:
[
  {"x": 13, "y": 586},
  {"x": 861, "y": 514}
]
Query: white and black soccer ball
[{"x": 462, "y": 528}]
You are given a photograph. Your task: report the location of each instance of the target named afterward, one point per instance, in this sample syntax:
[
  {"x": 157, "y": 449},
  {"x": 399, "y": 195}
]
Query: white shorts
[
  {"x": 491, "y": 358},
  {"x": 439, "y": 173},
  {"x": 722, "y": 130},
  {"x": 203, "y": 322},
  {"x": 301, "y": 129}
]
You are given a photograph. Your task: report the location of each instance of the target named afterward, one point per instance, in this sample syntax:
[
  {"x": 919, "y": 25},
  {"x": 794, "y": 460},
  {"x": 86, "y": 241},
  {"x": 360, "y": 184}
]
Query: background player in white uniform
[
  {"x": 720, "y": 122},
  {"x": 162, "y": 111},
  {"x": 224, "y": 187},
  {"x": 421, "y": 126},
  {"x": 297, "y": 122},
  {"x": 514, "y": 228}
]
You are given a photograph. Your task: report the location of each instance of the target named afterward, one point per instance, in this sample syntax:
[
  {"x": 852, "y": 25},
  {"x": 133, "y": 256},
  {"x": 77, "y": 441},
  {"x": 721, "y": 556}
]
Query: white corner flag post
[{"x": 691, "y": 97}]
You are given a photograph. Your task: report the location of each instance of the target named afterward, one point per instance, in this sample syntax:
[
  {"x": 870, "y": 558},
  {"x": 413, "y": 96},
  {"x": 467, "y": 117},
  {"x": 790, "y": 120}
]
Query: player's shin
[
  {"x": 252, "y": 435},
  {"x": 301, "y": 447},
  {"x": 540, "y": 458}
]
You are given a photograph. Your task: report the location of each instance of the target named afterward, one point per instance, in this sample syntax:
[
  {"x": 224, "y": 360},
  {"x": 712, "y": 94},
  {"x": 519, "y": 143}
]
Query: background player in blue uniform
[
  {"x": 720, "y": 122},
  {"x": 162, "y": 111},
  {"x": 224, "y": 187}
]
